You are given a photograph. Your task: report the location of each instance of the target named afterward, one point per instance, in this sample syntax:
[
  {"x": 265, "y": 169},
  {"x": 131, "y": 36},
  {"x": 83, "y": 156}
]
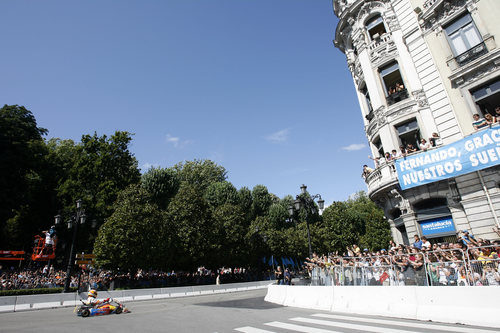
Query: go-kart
[{"x": 105, "y": 308}]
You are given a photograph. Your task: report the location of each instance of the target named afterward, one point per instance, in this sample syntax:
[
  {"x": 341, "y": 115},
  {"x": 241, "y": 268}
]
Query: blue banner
[
  {"x": 478, "y": 151},
  {"x": 437, "y": 226}
]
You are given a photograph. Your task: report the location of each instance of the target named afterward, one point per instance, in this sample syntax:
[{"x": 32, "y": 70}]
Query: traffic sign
[
  {"x": 84, "y": 262},
  {"x": 85, "y": 256}
]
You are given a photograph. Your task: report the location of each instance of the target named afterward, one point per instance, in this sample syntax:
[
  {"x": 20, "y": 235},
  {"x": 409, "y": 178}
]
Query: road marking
[
  {"x": 347, "y": 325},
  {"x": 405, "y": 324},
  {"x": 249, "y": 329},
  {"x": 299, "y": 328}
]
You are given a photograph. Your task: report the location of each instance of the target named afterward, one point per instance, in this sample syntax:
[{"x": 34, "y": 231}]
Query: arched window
[
  {"x": 395, "y": 90},
  {"x": 375, "y": 27}
]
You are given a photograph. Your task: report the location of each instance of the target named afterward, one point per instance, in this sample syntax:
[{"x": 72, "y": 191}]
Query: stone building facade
[{"x": 422, "y": 67}]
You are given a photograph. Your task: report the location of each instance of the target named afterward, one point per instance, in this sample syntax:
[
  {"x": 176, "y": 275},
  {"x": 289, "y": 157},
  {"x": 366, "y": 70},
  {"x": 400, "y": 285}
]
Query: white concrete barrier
[
  {"x": 45, "y": 305},
  {"x": 464, "y": 305},
  {"x": 33, "y": 302}
]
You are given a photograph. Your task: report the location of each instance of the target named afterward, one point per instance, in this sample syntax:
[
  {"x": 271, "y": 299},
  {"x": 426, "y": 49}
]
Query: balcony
[
  {"x": 380, "y": 41},
  {"x": 397, "y": 96},
  {"x": 471, "y": 54},
  {"x": 429, "y": 3},
  {"x": 381, "y": 47},
  {"x": 381, "y": 178}
]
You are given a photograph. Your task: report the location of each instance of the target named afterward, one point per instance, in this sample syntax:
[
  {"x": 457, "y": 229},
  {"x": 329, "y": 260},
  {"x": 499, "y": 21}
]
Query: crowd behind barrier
[
  {"x": 45, "y": 277},
  {"x": 448, "y": 264}
]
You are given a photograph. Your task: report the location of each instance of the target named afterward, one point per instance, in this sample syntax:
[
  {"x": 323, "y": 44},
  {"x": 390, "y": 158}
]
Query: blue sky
[{"x": 254, "y": 85}]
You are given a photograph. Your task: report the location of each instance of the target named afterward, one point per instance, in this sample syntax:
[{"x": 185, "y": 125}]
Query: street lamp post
[
  {"x": 305, "y": 201},
  {"x": 79, "y": 218}
]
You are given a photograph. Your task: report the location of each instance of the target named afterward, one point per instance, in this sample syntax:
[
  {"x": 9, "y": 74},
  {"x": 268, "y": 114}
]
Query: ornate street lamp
[
  {"x": 73, "y": 222},
  {"x": 303, "y": 201}
]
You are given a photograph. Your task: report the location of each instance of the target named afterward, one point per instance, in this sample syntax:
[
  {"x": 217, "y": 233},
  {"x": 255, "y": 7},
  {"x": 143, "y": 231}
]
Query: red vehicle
[
  {"x": 42, "y": 252},
  {"x": 106, "y": 308}
]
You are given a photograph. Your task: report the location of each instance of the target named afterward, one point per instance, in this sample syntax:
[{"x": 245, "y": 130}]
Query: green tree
[
  {"x": 162, "y": 184},
  {"x": 230, "y": 248},
  {"x": 200, "y": 173},
  {"x": 261, "y": 200},
  {"x": 221, "y": 193},
  {"x": 23, "y": 199},
  {"x": 189, "y": 213},
  {"x": 100, "y": 168},
  {"x": 136, "y": 235},
  {"x": 377, "y": 232},
  {"x": 278, "y": 215},
  {"x": 338, "y": 223},
  {"x": 245, "y": 202}
]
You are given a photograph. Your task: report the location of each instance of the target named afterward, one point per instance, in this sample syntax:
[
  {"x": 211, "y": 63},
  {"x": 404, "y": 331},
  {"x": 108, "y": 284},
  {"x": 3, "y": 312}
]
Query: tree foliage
[
  {"x": 98, "y": 169},
  {"x": 261, "y": 200},
  {"x": 221, "y": 193},
  {"x": 200, "y": 173},
  {"x": 22, "y": 175},
  {"x": 162, "y": 184},
  {"x": 169, "y": 218},
  {"x": 137, "y": 235}
]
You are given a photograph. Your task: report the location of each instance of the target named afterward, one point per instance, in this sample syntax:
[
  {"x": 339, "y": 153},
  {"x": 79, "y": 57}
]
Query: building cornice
[
  {"x": 439, "y": 12},
  {"x": 477, "y": 69}
]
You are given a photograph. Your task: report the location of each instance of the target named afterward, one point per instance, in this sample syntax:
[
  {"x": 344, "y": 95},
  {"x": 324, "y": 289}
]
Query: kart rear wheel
[
  {"x": 85, "y": 312},
  {"x": 118, "y": 310}
]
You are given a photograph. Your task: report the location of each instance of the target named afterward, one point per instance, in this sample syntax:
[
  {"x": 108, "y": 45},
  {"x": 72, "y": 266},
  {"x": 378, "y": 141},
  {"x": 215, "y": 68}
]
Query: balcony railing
[
  {"x": 384, "y": 175},
  {"x": 398, "y": 96},
  {"x": 471, "y": 54},
  {"x": 429, "y": 3},
  {"x": 380, "y": 40}
]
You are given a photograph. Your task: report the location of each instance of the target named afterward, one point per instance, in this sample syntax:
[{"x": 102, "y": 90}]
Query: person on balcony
[
  {"x": 497, "y": 114},
  {"x": 489, "y": 119},
  {"x": 399, "y": 87},
  {"x": 424, "y": 145},
  {"x": 402, "y": 151},
  {"x": 377, "y": 160},
  {"x": 435, "y": 140},
  {"x": 410, "y": 148},
  {"x": 394, "y": 154},
  {"x": 366, "y": 171},
  {"x": 479, "y": 122}
]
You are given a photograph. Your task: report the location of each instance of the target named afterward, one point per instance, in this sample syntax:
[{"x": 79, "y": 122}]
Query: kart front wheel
[
  {"x": 118, "y": 310},
  {"x": 85, "y": 312}
]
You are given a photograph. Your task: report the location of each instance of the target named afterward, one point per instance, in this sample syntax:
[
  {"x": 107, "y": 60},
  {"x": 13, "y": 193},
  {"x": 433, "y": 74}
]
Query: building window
[
  {"x": 364, "y": 92},
  {"x": 487, "y": 97},
  {"x": 465, "y": 40},
  {"x": 395, "y": 90},
  {"x": 378, "y": 144},
  {"x": 375, "y": 27},
  {"x": 409, "y": 133}
]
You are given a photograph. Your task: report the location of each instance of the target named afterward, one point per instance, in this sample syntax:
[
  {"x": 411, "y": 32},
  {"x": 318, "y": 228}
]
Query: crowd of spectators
[
  {"x": 12, "y": 278},
  {"x": 89, "y": 277},
  {"x": 488, "y": 120},
  {"x": 404, "y": 150},
  {"x": 469, "y": 261},
  {"x": 424, "y": 144}
]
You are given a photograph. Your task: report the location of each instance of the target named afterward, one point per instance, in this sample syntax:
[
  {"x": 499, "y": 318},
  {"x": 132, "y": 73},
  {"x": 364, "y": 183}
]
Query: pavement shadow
[{"x": 255, "y": 303}]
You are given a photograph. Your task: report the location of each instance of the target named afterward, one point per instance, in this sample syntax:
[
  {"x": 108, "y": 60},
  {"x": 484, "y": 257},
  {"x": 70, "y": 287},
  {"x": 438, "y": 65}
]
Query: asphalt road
[{"x": 235, "y": 312}]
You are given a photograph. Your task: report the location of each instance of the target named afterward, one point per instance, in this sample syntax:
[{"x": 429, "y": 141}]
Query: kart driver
[{"x": 93, "y": 301}]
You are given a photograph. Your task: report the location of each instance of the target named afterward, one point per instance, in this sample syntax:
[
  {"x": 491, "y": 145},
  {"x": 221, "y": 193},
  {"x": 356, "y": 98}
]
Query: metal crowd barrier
[{"x": 477, "y": 266}]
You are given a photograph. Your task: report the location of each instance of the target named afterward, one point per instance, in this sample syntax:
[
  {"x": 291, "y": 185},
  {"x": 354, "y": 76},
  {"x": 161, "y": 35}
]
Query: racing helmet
[{"x": 92, "y": 293}]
